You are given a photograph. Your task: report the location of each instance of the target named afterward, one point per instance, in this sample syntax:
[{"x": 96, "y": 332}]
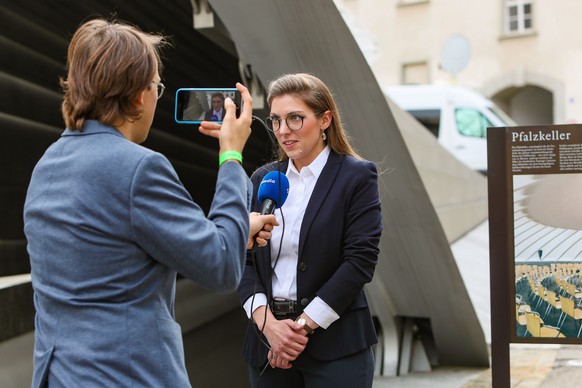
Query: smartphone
[{"x": 194, "y": 105}]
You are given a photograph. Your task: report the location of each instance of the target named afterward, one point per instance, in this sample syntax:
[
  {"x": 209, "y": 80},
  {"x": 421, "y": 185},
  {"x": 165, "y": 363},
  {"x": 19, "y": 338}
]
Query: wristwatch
[{"x": 306, "y": 327}]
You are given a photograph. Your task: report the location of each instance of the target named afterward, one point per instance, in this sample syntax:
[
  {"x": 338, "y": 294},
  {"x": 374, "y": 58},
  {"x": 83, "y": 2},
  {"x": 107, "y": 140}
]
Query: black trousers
[{"x": 356, "y": 370}]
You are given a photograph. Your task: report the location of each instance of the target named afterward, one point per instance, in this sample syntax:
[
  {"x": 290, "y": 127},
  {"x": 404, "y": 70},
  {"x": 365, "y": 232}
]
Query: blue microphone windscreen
[{"x": 274, "y": 186}]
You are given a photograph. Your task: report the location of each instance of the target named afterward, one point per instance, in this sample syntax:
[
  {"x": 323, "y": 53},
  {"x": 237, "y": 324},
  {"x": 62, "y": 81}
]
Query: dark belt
[{"x": 282, "y": 307}]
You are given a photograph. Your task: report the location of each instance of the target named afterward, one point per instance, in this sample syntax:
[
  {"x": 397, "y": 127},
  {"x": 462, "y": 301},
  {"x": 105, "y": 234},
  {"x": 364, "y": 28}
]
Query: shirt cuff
[
  {"x": 321, "y": 313},
  {"x": 254, "y": 302}
]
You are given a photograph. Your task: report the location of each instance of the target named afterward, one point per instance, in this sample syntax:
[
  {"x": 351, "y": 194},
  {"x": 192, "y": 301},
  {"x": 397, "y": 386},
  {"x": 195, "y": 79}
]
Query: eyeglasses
[
  {"x": 294, "y": 121},
  {"x": 161, "y": 87}
]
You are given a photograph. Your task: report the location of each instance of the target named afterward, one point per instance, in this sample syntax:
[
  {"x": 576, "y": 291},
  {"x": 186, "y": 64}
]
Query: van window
[
  {"x": 430, "y": 118},
  {"x": 471, "y": 122}
]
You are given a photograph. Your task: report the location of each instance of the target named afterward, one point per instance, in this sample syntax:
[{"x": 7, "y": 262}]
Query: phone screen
[{"x": 194, "y": 105}]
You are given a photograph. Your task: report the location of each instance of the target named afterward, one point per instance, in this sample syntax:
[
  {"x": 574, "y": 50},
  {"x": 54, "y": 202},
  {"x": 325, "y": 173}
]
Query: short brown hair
[
  {"x": 316, "y": 95},
  {"x": 109, "y": 64},
  {"x": 217, "y": 94}
]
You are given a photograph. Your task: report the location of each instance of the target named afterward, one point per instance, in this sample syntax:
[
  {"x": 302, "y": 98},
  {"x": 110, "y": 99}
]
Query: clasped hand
[{"x": 287, "y": 338}]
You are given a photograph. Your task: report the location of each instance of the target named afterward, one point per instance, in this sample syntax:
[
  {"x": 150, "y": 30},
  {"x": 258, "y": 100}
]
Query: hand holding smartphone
[
  {"x": 194, "y": 105},
  {"x": 233, "y": 132}
]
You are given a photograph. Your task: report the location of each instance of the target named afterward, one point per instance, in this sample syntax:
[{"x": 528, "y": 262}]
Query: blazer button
[
  {"x": 302, "y": 266},
  {"x": 304, "y": 302}
]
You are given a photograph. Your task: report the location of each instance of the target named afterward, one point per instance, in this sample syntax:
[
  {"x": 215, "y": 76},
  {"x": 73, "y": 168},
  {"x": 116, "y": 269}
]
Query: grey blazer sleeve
[{"x": 174, "y": 230}]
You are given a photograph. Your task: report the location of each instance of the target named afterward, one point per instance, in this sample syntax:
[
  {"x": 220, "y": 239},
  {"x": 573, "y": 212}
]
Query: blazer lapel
[{"x": 320, "y": 192}]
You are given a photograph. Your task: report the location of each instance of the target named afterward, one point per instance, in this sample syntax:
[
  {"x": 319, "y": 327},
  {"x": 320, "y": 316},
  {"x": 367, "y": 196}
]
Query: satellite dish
[{"x": 455, "y": 54}]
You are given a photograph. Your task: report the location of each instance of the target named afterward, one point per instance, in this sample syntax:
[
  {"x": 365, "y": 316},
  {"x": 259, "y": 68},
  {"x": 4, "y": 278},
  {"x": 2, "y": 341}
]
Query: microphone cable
[
  {"x": 272, "y": 138},
  {"x": 259, "y": 332}
]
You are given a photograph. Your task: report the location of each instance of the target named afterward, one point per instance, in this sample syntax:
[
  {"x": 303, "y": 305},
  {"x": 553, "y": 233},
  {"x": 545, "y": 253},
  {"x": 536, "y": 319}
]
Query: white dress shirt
[
  {"x": 284, "y": 279},
  {"x": 219, "y": 114}
]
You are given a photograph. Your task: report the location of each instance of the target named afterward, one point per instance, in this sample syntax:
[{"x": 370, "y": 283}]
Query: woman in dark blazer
[{"x": 305, "y": 291}]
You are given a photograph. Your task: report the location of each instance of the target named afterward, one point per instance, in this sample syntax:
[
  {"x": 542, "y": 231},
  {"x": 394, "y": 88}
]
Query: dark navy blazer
[{"x": 338, "y": 252}]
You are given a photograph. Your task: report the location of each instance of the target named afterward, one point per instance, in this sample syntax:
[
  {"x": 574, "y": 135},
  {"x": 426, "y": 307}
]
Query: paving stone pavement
[{"x": 532, "y": 366}]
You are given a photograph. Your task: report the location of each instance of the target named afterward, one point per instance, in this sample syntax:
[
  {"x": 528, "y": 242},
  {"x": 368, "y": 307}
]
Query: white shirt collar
[{"x": 316, "y": 167}]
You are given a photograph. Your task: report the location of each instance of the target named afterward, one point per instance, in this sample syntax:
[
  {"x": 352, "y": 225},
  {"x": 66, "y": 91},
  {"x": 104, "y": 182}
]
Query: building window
[
  {"x": 415, "y": 73},
  {"x": 518, "y": 16}
]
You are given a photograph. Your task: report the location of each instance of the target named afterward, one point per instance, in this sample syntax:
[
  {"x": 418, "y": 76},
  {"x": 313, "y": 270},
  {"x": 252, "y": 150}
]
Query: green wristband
[{"x": 229, "y": 155}]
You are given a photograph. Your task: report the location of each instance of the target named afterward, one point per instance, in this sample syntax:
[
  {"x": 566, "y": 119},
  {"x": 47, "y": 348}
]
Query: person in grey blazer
[{"x": 109, "y": 224}]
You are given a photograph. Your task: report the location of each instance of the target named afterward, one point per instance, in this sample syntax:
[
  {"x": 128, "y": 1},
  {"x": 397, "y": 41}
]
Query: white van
[{"x": 458, "y": 117}]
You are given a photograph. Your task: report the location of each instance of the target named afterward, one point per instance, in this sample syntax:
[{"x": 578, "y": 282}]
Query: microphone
[
  {"x": 273, "y": 191},
  {"x": 272, "y": 194}
]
